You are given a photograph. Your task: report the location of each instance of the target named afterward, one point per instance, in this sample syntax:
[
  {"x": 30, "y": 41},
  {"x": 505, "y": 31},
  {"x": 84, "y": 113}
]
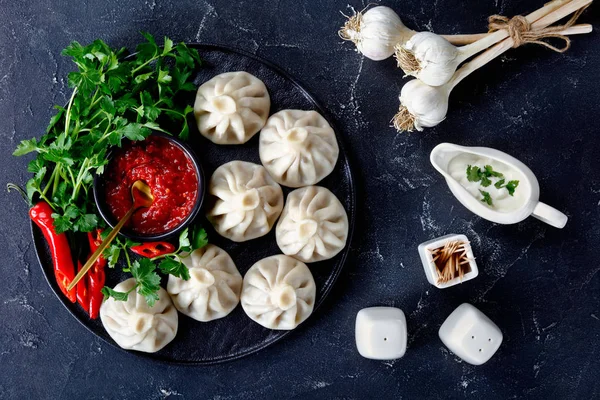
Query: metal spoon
[{"x": 142, "y": 197}]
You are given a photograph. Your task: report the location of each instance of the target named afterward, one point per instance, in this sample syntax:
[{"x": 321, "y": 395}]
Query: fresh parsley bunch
[{"x": 113, "y": 99}]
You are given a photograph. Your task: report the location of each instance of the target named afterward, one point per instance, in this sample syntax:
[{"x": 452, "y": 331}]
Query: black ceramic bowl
[{"x": 99, "y": 193}]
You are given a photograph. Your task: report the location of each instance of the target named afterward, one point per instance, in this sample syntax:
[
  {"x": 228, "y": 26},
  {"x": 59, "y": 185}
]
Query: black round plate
[{"x": 236, "y": 335}]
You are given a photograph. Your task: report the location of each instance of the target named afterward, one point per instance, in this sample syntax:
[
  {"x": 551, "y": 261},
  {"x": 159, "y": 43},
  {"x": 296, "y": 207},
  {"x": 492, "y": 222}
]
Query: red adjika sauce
[{"x": 166, "y": 169}]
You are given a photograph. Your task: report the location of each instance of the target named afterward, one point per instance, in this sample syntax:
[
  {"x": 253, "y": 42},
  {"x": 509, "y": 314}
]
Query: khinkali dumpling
[
  {"x": 231, "y": 107},
  {"x": 244, "y": 201},
  {"x": 213, "y": 289},
  {"x": 298, "y": 147},
  {"x": 313, "y": 225},
  {"x": 279, "y": 292},
  {"x": 136, "y": 326}
]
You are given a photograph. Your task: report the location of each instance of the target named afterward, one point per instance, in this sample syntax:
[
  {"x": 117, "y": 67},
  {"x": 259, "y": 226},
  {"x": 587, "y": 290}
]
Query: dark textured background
[{"x": 539, "y": 284}]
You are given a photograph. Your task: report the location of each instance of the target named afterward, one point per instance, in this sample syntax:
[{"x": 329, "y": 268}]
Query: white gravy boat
[{"x": 529, "y": 188}]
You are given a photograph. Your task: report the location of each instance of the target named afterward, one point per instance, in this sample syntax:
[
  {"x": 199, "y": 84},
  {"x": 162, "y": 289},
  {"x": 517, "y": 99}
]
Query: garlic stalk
[
  {"x": 423, "y": 106},
  {"x": 376, "y": 31},
  {"x": 433, "y": 60}
]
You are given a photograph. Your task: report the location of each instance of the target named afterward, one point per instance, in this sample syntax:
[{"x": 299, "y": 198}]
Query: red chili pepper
[
  {"x": 96, "y": 276},
  {"x": 153, "y": 249},
  {"x": 95, "y": 239},
  {"x": 96, "y": 279},
  {"x": 64, "y": 270},
  {"x": 82, "y": 291}
]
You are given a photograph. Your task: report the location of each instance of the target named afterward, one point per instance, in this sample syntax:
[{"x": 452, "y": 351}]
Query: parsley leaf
[
  {"x": 147, "y": 50},
  {"x": 199, "y": 238},
  {"x": 135, "y": 131},
  {"x": 119, "y": 296},
  {"x": 184, "y": 241},
  {"x": 64, "y": 222},
  {"x": 56, "y": 118},
  {"x": 130, "y": 243},
  {"x": 473, "y": 174},
  {"x": 486, "y": 198},
  {"x": 485, "y": 181},
  {"x": 143, "y": 270},
  {"x": 489, "y": 171},
  {"x": 58, "y": 156},
  {"x": 499, "y": 184},
  {"x": 31, "y": 188},
  {"x": 151, "y": 112},
  {"x": 35, "y": 165},
  {"x": 26, "y": 147},
  {"x": 511, "y": 186},
  {"x": 163, "y": 76},
  {"x": 174, "y": 267},
  {"x": 185, "y": 130},
  {"x": 112, "y": 254},
  {"x": 125, "y": 103},
  {"x": 167, "y": 46},
  {"x": 108, "y": 105},
  {"x": 86, "y": 222}
]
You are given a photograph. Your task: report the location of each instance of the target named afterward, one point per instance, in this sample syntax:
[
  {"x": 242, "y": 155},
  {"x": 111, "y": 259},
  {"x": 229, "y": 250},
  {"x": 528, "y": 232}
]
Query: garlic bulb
[
  {"x": 428, "y": 57},
  {"x": 421, "y": 106},
  {"x": 375, "y": 32},
  {"x": 433, "y": 59}
]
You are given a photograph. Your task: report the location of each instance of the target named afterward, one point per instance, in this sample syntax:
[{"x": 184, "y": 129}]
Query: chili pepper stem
[{"x": 18, "y": 188}]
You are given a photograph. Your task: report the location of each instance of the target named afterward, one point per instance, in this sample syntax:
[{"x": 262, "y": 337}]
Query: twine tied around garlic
[{"x": 519, "y": 29}]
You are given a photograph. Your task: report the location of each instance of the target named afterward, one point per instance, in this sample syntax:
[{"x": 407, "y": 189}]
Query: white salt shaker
[
  {"x": 470, "y": 334},
  {"x": 381, "y": 333}
]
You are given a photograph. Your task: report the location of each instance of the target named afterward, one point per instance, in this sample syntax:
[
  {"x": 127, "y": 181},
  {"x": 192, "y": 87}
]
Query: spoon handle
[{"x": 101, "y": 248}]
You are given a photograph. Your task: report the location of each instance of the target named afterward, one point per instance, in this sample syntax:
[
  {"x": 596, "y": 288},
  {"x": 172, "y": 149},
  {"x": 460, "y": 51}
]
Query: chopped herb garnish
[
  {"x": 473, "y": 174},
  {"x": 489, "y": 171},
  {"x": 485, "y": 181},
  {"x": 511, "y": 186},
  {"x": 476, "y": 174},
  {"x": 486, "y": 198}
]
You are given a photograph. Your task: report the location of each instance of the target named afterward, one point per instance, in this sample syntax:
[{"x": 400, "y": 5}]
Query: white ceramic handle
[{"x": 550, "y": 215}]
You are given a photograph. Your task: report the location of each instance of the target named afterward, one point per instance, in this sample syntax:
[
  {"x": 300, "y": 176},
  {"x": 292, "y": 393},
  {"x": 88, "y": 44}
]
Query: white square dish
[
  {"x": 430, "y": 268},
  {"x": 381, "y": 333}
]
